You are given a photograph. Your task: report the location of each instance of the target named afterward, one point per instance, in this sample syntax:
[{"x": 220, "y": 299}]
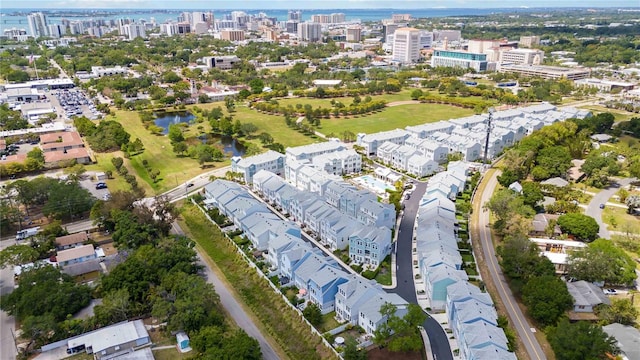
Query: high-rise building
[
  {"x": 462, "y": 59},
  {"x": 309, "y": 31},
  {"x": 38, "y": 24},
  {"x": 292, "y": 27},
  {"x": 354, "y": 34},
  {"x": 426, "y": 39},
  {"x": 522, "y": 56},
  {"x": 389, "y": 29},
  {"x": 122, "y": 26},
  {"x": 406, "y": 45},
  {"x": 337, "y": 18},
  {"x": 232, "y": 35},
  {"x": 294, "y": 15},
  {"x": 400, "y": 17},
  {"x": 56, "y": 30},
  {"x": 135, "y": 31}
]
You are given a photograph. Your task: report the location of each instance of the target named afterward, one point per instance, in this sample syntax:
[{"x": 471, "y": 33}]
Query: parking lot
[
  {"x": 73, "y": 103},
  {"x": 90, "y": 185}
]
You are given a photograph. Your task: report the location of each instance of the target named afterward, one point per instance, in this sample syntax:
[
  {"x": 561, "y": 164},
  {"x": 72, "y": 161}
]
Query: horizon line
[{"x": 364, "y": 8}]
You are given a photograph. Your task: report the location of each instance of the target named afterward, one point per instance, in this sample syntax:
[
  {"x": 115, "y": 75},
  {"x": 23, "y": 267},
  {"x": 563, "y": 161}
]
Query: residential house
[
  {"x": 113, "y": 341},
  {"x": 272, "y": 161},
  {"x": 214, "y": 190},
  {"x": 480, "y": 335},
  {"x": 370, "y": 245},
  {"x": 335, "y": 230},
  {"x": 370, "y": 142},
  {"x": 323, "y": 285},
  {"x": 75, "y": 255},
  {"x": 586, "y": 296},
  {"x": 627, "y": 338},
  {"x": 308, "y": 152},
  {"x": 425, "y": 130},
  {"x": 308, "y": 265},
  {"x": 464, "y": 291},
  {"x": 262, "y": 227},
  {"x": 282, "y": 243},
  {"x": 436, "y": 280},
  {"x": 341, "y": 162},
  {"x": 471, "y": 311},
  {"x": 492, "y": 352},
  {"x": 369, "y": 316},
  {"x": 71, "y": 240},
  {"x": 420, "y": 166},
  {"x": 352, "y": 294},
  {"x": 557, "y": 251}
]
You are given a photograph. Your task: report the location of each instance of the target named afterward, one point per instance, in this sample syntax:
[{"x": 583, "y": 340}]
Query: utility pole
[{"x": 486, "y": 142}]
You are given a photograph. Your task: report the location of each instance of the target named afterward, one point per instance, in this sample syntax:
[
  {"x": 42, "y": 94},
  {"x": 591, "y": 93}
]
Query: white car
[{"x": 610, "y": 291}]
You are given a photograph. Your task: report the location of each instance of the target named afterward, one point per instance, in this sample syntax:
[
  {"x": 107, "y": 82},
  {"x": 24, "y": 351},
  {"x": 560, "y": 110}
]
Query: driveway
[
  {"x": 593, "y": 209},
  {"x": 516, "y": 317},
  {"x": 404, "y": 273}
]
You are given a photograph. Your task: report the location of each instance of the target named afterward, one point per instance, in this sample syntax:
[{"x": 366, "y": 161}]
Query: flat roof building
[
  {"x": 546, "y": 72},
  {"x": 462, "y": 59},
  {"x": 112, "y": 341}
]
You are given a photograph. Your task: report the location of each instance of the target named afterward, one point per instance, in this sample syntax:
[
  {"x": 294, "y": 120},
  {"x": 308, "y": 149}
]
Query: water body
[
  {"x": 18, "y": 17},
  {"x": 229, "y": 144},
  {"x": 165, "y": 119}
]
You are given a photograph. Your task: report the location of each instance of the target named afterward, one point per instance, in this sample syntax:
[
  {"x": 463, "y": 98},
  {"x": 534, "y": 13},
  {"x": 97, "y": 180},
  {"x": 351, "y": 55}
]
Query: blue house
[
  {"x": 323, "y": 287},
  {"x": 436, "y": 281}
]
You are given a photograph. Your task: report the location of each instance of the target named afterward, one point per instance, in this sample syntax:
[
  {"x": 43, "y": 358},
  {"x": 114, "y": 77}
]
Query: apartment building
[{"x": 272, "y": 161}]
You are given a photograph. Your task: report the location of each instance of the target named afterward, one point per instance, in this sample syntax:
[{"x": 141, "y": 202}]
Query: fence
[{"x": 273, "y": 286}]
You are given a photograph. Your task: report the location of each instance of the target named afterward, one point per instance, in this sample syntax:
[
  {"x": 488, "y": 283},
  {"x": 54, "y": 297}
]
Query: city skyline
[{"x": 315, "y": 4}]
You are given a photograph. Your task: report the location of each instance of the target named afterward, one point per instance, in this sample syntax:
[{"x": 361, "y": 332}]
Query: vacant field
[
  {"x": 271, "y": 124},
  {"x": 620, "y": 115},
  {"x": 617, "y": 219},
  {"x": 117, "y": 182},
  {"x": 159, "y": 154},
  {"x": 393, "y": 118}
]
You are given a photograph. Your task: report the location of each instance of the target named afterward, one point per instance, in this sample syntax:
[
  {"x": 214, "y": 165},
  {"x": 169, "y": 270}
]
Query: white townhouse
[
  {"x": 463, "y": 291},
  {"x": 262, "y": 227},
  {"x": 272, "y": 161},
  {"x": 479, "y": 336},
  {"x": 469, "y": 121},
  {"x": 471, "y": 311},
  {"x": 370, "y": 245},
  {"x": 282, "y": 243},
  {"x": 421, "y": 166},
  {"x": 341, "y": 162},
  {"x": 370, "y": 142},
  {"x": 425, "y": 130},
  {"x": 307, "y": 178},
  {"x": 335, "y": 230},
  {"x": 308, "y": 152}
]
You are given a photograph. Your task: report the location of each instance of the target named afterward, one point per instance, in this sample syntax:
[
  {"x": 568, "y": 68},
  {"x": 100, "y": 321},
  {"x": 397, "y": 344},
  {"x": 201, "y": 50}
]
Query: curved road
[
  {"x": 404, "y": 274},
  {"x": 516, "y": 317},
  {"x": 593, "y": 209}
]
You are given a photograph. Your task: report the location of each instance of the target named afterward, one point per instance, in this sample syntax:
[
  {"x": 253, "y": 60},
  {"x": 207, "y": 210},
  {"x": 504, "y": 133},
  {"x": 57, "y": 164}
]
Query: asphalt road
[
  {"x": 7, "y": 323},
  {"x": 232, "y": 306},
  {"x": 516, "y": 317},
  {"x": 593, "y": 209},
  {"x": 404, "y": 274}
]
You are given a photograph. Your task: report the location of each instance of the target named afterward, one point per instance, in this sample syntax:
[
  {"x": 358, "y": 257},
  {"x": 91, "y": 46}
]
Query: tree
[
  {"x": 256, "y": 85},
  {"x": 620, "y": 311},
  {"x": 633, "y": 203},
  {"x": 248, "y": 129},
  {"x": 17, "y": 255},
  {"x": 532, "y": 193},
  {"x": 115, "y": 307},
  {"x": 400, "y": 334},
  {"x": 313, "y": 314},
  {"x": 602, "y": 260},
  {"x": 556, "y": 160},
  {"x": 520, "y": 260},
  {"x": 180, "y": 147},
  {"x": 117, "y": 163},
  {"x": 351, "y": 351},
  {"x": 416, "y": 94},
  {"x": 36, "y": 154},
  {"x": 45, "y": 291},
  {"x": 265, "y": 138},
  {"x": 175, "y": 133},
  {"x": 109, "y": 136},
  {"x": 66, "y": 200},
  {"x": 583, "y": 227},
  {"x": 580, "y": 340},
  {"x": 546, "y": 298},
  {"x": 230, "y": 104}
]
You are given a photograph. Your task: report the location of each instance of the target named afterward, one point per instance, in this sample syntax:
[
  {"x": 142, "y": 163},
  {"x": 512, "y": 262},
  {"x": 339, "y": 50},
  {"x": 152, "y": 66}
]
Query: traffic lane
[
  {"x": 593, "y": 209},
  {"x": 7, "y": 323}
]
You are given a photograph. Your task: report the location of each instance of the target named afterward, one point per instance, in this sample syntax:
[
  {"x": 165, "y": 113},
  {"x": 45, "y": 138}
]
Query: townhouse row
[
  {"x": 419, "y": 149},
  {"x": 331, "y": 157},
  {"x": 319, "y": 278},
  {"x": 343, "y": 216},
  {"x": 470, "y": 312}
]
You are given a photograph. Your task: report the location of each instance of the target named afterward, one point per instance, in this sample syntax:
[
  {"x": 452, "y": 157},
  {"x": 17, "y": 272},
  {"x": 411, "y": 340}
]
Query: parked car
[
  {"x": 601, "y": 206},
  {"x": 101, "y": 185},
  {"x": 189, "y": 185},
  {"x": 610, "y": 291}
]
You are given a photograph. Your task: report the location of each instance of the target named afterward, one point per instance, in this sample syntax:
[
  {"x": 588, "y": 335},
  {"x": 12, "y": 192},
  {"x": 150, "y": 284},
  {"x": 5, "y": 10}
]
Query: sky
[{"x": 310, "y": 4}]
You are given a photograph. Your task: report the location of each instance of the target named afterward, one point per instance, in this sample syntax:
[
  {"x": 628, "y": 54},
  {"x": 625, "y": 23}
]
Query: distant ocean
[{"x": 17, "y": 18}]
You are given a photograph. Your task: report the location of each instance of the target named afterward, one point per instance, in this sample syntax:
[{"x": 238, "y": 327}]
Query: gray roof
[
  {"x": 586, "y": 294},
  {"x": 473, "y": 310},
  {"x": 309, "y": 266},
  {"x": 556, "y": 181},
  {"x": 628, "y": 339},
  {"x": 371, "y": 308},
  {"x": 327, "y": 275},
  {"x": 492, "y": 352},
  {"x": 463, "y": 290},
  {"x": 479, "y": 334},
  {"x": 218, "y": 187}
]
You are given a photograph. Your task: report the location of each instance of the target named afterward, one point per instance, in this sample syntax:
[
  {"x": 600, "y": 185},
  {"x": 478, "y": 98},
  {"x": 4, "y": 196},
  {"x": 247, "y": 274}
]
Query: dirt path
[{"x": 404, "y": 102}]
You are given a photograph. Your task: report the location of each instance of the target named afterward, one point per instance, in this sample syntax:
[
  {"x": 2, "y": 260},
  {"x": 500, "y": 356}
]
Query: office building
[
  {"x": 463, "y": 59},
  {"x": 354, "y": 34},
  {"x": 38, "y": 24},
  {"x": 546, "y": 72},
  {"x": 426, "y": 39},
  {"x": 310, "y": 31},
  {"x": 400, "y": 17},
  {"x": 529, "y": 41},
  {"x": 388, "y": 30},
  {"x": 232, "y": 35},
  {"x": 522, "y": 56},
  {"x": 221, "y": 62},
  {"x": 337, "y": 18},
  {"x": 291, "y": 27},
  {"x": 406, "y": 45}
]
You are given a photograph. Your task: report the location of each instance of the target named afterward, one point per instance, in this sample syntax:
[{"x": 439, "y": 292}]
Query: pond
[
  {"x": 229, "y": 144},
  {"x": 164, "y": 119}
]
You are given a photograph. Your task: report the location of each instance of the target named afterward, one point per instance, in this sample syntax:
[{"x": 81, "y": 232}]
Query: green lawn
[
  {"x": 393, "y": 118},
  {"x": 620, "y": 115},
  {"x": 328, "y": 322},
  {"x": 400, "y": 96},
  {"x": 618, "y": 220},
  {"x": 117, "y": 182},
  {"x": 170, "y": 354}
]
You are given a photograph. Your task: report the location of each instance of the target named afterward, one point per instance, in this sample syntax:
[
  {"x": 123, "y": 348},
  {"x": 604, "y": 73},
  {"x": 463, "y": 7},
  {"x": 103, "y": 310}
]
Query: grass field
[
  {"x": 393, "y": 117},
  {"x": 117, "y": 182},
  {"x": 276, "y": 317},
  {"x": 399, "y": 96},
  {"x": 620, "y": 115},
  {"x": 618, "y": 220}
]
